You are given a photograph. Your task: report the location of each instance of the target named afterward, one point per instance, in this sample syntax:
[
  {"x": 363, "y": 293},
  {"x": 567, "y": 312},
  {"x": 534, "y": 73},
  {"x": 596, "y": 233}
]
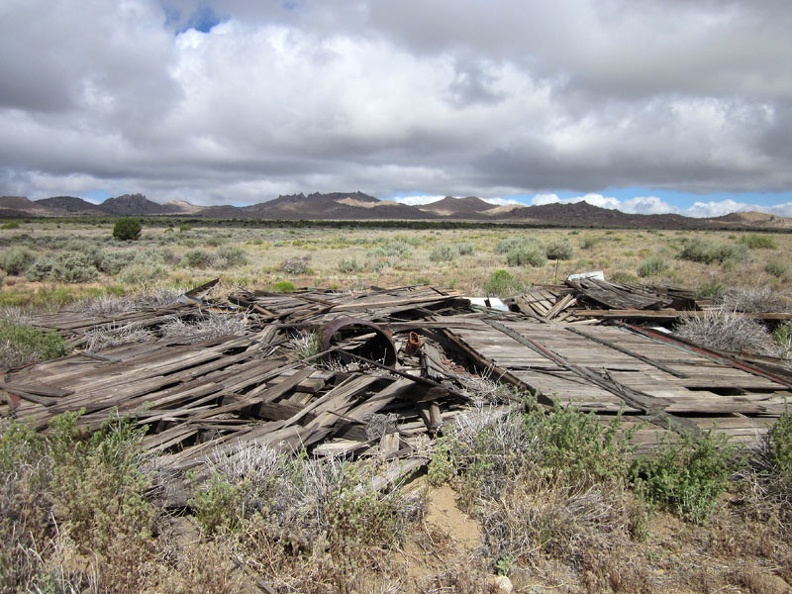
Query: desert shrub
[
  {"x": 577, "y": 443},
  {"x": 16, "y": 260},
  {"x": 229, "y": 257},
  {"x": 712, "y": 290},
  {"x": 709, "y": 252},
  {"x": 140, "y": 274},
  {"x": 41, "y": 269},
  {"x": 506, "y": 245},
  {"x": 349, "y": 266},
  {"x": 99, "y": 482},
  {"x": 486, "y": 450},
  {"x": 21, "y": 344},
  {"x": 67, "y": 494},
  {"x": 589, "y": 242},
  {"x": 527, "y": 255},
  {"x": 561, "y": 249},
  {"x": 74, "y": 267},
  {"x": 652, "y": 266},
  {"x": 754, "y": 299},
  {"x": 782, "y": 335},
  {"x": 688, "y": 475},
  {"x": 295, "y": 265},
  {"x": 758, "y": 241},
  {"x": 112, "y": 262},
  {"x": 777, "y": 268},
  {"x": 196, "y": 259},
  {"x": 502, "y": 284},
  {"x": 728, "y": 331},
  {"x": 311, "y": 505},
  {"x": 10, "y": 225},
  {"x": 542, "y": 482},
  {"x": 398, "y": 246},
  {"x": 550, "y": 517},
  {"x": 127, "y": 229},
  {"x": 442, "y": 253},
  {"x": 465, "y": 249},
  {"x": 216, "y": 504},
  {"x": 778, "y": 445},
  {"x": 68, "y": 267}
]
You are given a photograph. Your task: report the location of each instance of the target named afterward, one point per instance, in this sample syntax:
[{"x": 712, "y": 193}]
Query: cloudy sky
[{"x": 652, "y": 106}]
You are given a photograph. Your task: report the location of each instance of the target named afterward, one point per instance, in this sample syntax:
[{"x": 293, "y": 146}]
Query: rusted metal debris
[{"x": 418, "y": 356}]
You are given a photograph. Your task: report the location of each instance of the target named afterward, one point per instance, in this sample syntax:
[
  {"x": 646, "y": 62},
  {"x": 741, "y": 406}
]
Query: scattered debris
[{"x": 392, "y": 368}]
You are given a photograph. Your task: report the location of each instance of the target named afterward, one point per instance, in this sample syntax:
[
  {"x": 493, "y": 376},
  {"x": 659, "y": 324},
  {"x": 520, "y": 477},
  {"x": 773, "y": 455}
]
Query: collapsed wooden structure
[{"x": 378, "y": 373}]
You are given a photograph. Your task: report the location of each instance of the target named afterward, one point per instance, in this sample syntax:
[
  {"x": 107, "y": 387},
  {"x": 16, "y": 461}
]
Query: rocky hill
[{"x": 351, "y": 206}]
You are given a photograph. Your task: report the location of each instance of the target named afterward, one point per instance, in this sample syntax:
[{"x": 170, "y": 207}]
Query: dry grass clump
[
  {"x": 99, "y": 338},
  {"x": 755, "y": 300},
  {"x": 111, "y": 305},
  {"x": 728, "y": 331},
  {"x": 549, "y": 488},
  {"x": 206, "y": 326}
]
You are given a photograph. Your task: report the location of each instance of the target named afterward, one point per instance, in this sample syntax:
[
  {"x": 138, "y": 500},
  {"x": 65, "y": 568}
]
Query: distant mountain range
[{"x": 356, "y": 206}]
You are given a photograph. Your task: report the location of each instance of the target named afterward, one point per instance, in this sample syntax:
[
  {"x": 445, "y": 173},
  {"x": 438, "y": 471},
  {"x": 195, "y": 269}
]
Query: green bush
[
  {"x": 561, "y": 249},
  {"x": 442, "y": 253},
  {"x": 127, "y": 229},
  {"x": 113, "y": 262},
  {"x": 756, "y": 241},
  {"x": 575, "y": 442},
  {"x": 712, "y": 290},
  {"x": 708, "y": 252},
  {"x": 216, "y": 504},
  {"x": 777, "y": 268},
  {"x": 41, "y": 269},
  {"x": 196, "y": 259},
  {"x": 98, "y": 483},
  {"x": 75, "y": 267},
  {"x": 229, "y": 257},
  {"x": 502, "y": 284},
  {"x": 17, "y": 260},
  {"x": 778, "y": 442},
  {"x": 284, "y": 287},
  {"x": 349, "y": 266},
  {"x": 687, "y": 476},
  {"x": 465, "y": 249},
  {"x": 21, "y": 344},
  {"x": 295, "y": 265},
  {"x": 391, "y": 248},
  {"x": 10, "y": 225},
  {"x": 504, "y": 246},
  {"x": 528, "y": 255},
  {"x": 652, "y": 266},
  {"x": 782, "y": 336},
  {"x": 561, "y": 440}
]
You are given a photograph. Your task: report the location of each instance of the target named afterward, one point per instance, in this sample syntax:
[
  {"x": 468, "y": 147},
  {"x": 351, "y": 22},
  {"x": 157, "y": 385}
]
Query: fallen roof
[{"x": 397, "y": 365}]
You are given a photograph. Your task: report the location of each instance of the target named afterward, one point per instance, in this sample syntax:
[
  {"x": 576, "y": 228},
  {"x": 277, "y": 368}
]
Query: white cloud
[
  {"x": 503, "y": 201},
  {"x": 715, "y": 209},
  {"x": 485, "y": 99},
  {"x": 541, "y": 199},
  {"x": 647, "y": 205},
  {"x": 417, "y": 199}
]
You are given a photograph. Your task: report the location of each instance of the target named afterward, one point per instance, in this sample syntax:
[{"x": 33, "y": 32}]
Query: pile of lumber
[{"x": 376, "y": 374}]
